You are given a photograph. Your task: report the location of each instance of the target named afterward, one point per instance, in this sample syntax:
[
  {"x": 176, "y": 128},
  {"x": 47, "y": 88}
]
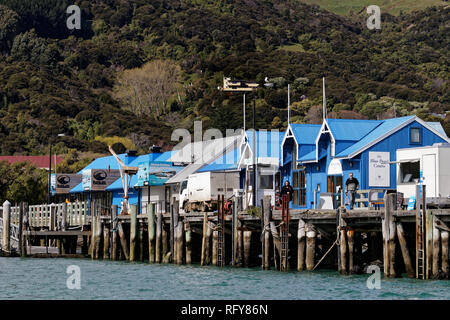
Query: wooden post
[
  {"x": 151, "y": 232},
  {"x": 123, "y": 241},
  {"x": 20, "y": 235},
  {"x": 301, "y": 234},
  {"x": 172, "y": 224},
  {"x": 389, "y": 232},
  {"x": 343, "y": 250},
  {"x": 444, "y": 253},
  {"x": 93, "y": 232},
  {"x": 405, "y": 252},
  {"x": 158, "y": 237},
  {"x": 179, "y": 243},
  {"x": 310, "y": 246},
  {"x": 214, "y": 247},
  {"x": 133, "y": 231},
  {"x": 240, "y": 247},
  {"x": 114, "y": 226},
  {"x": 234, "y": 233},
  {"x": 436, "y": 249},
  {"x": 98, "y": 236},
  {"x": 265, "y": 231},
  {"x": 205, "y": 226},
  {"x": 165, "y": 244},
  {"x": 6, "y": 217},
  {"x": 276, "y": 242},
  {"x": 350, "y": 242},
  {"x": 188, "y": 238},
  {"x": 64, "y": 217},
  {"x": 106, "y": 240},
  {"x": 247, "y": 242},
  {"x": 141, "y": 239},
  {"x": 209, "y": 231}
]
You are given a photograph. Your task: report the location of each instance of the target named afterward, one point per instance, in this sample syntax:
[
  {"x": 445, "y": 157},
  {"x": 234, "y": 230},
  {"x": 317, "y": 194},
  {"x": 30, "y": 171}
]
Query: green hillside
[
  {"x": 393, "y": 7},
  {"x": 139, "y": 69}
]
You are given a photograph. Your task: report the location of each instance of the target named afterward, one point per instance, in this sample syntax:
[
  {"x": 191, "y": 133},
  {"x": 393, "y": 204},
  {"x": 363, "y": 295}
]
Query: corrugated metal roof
[
  {"x": 305, "y": 133},
  {"x": 37, "y": 161},
  {"x": 438, "y": 127},
  {"x": 229, "y": 161},
  {"x": 109, "y": 162},
  {"x": 77, "y": 189},
  {"x": 209, "y": 151},
  {"x": 351, "y": 129},
  {"x": 385, "y": 127},
  {"x": 117, "y": 185},
  {"x": 311, "y": 156},
  {"x": 268, "y": 142}
]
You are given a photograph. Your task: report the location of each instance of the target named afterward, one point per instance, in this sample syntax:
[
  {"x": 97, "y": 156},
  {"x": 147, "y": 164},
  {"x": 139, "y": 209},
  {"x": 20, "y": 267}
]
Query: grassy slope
[{"x": 393, "y": 7}]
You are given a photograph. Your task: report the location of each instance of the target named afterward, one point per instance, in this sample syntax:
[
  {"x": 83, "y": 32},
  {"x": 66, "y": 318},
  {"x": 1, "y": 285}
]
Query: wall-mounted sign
[
  {"x": 154, "y": 173},
  {"x": 61, "y": 183},
  {"x": 379, "y": 169},
  {"x": 98, "y": 179},
  {"x": 335, "y": 168}
]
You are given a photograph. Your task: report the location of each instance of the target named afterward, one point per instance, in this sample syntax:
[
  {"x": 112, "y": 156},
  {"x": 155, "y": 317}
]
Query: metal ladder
[
  {"x": 284, "y": 230},
  {"x": 420, "y": 241},
  {"x": 221, "y": 231}
]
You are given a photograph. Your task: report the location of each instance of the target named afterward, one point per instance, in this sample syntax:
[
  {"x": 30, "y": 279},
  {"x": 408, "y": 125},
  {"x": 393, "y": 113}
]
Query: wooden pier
[{"x": 402, "y": 243}]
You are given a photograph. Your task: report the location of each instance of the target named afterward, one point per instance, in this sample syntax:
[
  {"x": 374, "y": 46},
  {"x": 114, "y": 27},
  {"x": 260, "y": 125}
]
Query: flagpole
[{"x": 289, "y": 103}]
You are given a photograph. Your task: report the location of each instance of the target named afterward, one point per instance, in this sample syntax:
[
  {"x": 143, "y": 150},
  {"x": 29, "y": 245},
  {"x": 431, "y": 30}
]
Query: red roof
[{"x": 38, "y": 161}]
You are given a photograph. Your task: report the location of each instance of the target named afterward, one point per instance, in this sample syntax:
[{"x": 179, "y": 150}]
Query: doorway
[{"x": 334, "y": 187}]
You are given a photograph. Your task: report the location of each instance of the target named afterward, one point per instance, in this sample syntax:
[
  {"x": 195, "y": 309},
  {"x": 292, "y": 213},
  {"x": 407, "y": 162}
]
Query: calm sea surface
[{"x": 46, "y": 279}]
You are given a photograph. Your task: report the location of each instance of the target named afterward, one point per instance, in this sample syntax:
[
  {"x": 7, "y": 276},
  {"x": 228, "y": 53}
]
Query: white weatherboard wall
[
  {"x": 435, "y": 166},
  {"x": 156, "y": 194}
]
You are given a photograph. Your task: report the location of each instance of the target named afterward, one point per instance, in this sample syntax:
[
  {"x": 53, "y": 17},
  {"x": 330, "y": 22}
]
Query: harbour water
[{"x": 33, "y": 278}]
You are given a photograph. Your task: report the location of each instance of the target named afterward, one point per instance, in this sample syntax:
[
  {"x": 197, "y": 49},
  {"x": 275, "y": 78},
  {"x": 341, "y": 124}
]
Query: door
[
  {"x": 334, "y": 186},
  {"x": 429, "y": 174},
  {"x": 299, "y": 187}
]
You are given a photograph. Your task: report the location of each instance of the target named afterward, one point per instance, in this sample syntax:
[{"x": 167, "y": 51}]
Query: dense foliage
[{"x": 55, "y": 80}]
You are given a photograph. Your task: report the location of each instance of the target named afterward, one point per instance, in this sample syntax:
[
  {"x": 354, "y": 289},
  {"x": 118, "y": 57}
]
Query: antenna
[
  {"x": 244, "y": 112},
  {"x": 289, "y": 103},
  {"x": 324, "y": 103}
]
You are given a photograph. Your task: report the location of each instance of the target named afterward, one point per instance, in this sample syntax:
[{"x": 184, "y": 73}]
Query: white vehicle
[
  {"x": 200, "y": 191},
  {"x": 433, "y": 161}
]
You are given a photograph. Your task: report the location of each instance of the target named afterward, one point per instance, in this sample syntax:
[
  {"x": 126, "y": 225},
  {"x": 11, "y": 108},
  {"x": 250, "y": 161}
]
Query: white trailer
[
  {"x": 200, "y": 191},
  {"x": 434, "y": 163}
]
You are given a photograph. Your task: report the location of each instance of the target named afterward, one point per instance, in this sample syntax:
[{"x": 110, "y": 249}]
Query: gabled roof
[
  {"x": 305, "y": 133},
  {"x": 109, "y": 162},
  {"x": 117, "y": 185},
  {"x": 438, "y": 127},
  {"x": 351, "y": 129},
  {"x": 229, "y": 161}
]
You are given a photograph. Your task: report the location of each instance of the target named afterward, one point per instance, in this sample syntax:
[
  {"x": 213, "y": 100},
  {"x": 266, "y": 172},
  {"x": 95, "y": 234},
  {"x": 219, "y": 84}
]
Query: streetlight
[
  {"x": 245, "y": 86},
  {"x": 50, "y": 167}
]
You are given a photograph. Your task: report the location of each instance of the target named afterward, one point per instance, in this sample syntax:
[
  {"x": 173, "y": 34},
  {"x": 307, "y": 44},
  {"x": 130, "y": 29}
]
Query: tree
[
  {"x": 147, "y": 90},
  {"x": 9, "y": 23}
]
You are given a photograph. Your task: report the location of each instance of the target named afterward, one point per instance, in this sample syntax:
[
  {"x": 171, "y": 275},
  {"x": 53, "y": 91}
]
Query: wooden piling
[
  {"x": 21, "y": 248},
  {"x": 405, "y": 253},
  {"x": 133, "y": 231},
  {"x": 165, "y": 244},
  {"x": 106, "y": 240},
  {"x": 276, "y": 242},
  {"x": 98, "y": 236},
  {"x": 239, "y": 248},
  {"x": 343, "y": 251},
  {"x": 389, "y": 233},
  {"x": 301, "y": 234},
  {"x": 205, "y": 226},
  {"x": 91, "y": 251},
  {"x": 6, "y": 223},
  {"x": 188, "y": 242},
  {"x": 350, "y": 243},
  {"x": 123, "y": 241},
  {"x": 209, "y": 231},
  {"x": 151, "y": 232},
  {"x": 215, "y": 242},
  {"x": 444, "y": 253},
  {"x": 114, "y": 228},
  {"x": 158, "y": 237},
  {"x": 310, "y": 246},
  {"x": 179, "y": 242},
  {"x": 436, "y": 249},
  {"x": 247, "y": 242}
]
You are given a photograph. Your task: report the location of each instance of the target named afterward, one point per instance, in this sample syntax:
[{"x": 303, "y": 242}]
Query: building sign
[
  {"x": 379, "y": 169},
  {"x": 154, "y": 173},
  {"x": 62, "y": 183},
  {"x": 98, "y": 179},
  {"x": 335, "y": 168}
]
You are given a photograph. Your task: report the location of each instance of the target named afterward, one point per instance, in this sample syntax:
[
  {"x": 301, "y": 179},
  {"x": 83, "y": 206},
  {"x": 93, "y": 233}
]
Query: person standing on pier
[
  {"x": 351, "y": 185},
  {"x": 287, "y": 189}
]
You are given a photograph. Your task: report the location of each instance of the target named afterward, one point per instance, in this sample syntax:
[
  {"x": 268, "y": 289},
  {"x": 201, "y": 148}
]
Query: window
[
  {"x": 266, "y": 181},
  {"x": 409, "y": 172},
  {"x": 414, "y": 135}
]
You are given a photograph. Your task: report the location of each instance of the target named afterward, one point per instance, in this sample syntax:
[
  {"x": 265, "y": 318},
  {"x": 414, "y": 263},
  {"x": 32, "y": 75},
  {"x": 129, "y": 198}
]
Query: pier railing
[{"x": 52, "y": 215}]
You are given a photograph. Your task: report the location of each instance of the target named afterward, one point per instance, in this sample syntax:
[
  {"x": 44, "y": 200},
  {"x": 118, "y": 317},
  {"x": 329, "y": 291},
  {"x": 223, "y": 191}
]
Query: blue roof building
[{"x": 320, "y": 157}]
